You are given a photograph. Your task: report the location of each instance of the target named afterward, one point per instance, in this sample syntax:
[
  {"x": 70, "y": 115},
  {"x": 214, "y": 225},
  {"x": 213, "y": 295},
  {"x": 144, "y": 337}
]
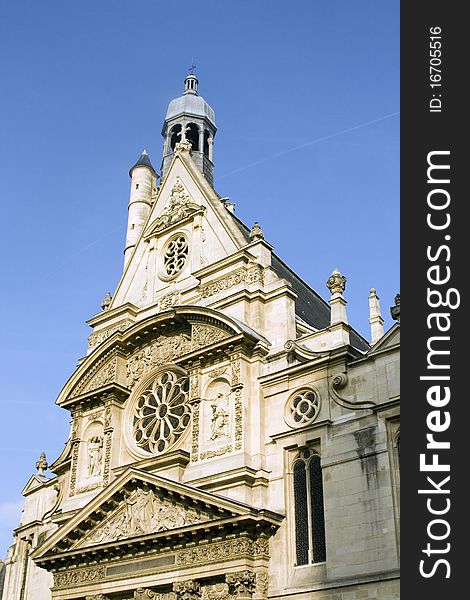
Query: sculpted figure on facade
[
  {"x": 95, "y": 455},
  {"x": 220, "y": 417},
  {"x": 141, "y": 513}
]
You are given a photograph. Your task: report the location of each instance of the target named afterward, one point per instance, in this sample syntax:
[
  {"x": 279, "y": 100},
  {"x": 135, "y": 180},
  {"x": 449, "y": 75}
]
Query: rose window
[
  {"x": 302, "y": 408},
  {"x": 175, "y": 255},
  {"x": 161, "y": 413}
]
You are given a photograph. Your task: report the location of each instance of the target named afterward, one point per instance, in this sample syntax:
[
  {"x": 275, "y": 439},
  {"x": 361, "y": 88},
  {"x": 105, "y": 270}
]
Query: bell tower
[{"x": 190, "y": 118}]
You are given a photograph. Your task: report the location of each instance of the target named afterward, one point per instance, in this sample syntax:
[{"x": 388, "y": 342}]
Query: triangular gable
[
  {"x": 184, "y": 195},
  {"x": 139, "y": 505},
  {"x": 390, "y": 340},
  {"x": 35, "y": 482}
]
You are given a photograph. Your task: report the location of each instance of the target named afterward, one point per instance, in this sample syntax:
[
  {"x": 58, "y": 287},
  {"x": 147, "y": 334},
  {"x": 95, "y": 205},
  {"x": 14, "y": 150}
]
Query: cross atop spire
[{"x": 192, "y": 67}]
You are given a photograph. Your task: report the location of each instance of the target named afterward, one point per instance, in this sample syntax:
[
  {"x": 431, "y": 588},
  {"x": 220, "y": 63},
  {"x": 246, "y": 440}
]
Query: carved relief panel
[
  {"x": 218, "y": 413},
  {"x": 91, "y": 453},
  {"x": 216, "y": 419}
]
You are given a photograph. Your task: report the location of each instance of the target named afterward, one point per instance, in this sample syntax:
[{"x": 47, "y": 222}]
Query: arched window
[
  {"x": 206, "y": 143},
  {"x": 310, "y": 543},
  {"x": 175, "y": 136},
  {"x": 192, "y": 135}
]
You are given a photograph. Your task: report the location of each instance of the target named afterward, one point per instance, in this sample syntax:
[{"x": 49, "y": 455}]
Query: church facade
[{"x": 232, "y": 436}]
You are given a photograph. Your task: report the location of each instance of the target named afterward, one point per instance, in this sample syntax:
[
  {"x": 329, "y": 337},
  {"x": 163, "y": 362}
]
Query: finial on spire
[
  {"x": 106, "y": 301},
  {"x": 336, "y": 282},
  {"x": 256, "y": 233},
  {"x": 375, "y": 317},
  {"x": 41, "y": 464},
  {"x": 191, "y": 81},
  {"x": 395, "y": 310},
  {"x": 192, "y": 67}
]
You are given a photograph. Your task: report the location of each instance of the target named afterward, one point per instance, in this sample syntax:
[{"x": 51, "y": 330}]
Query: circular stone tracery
[
  {"x": 302, "y": 408},
  {"x": 175, "y": 255},
  {"x": 161, "y": 413}
]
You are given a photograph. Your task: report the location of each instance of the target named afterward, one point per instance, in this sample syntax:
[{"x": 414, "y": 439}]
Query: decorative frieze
[
  {"x": 217, "y": 372},
  {"x": 225, "y": 550},
  {"x": 195, "y": 436},
  {"x": 166, "y": 348},
  {"x": 214, "y": 453},
  {"x": 76, "y": 419},
  {"x": 146, "y": 594},
  {"x": 97, "y": 338},
  {"x": 238, "y": 419},
  {"x": 94, "y": 378},
  {"x": 241, "y": 275},
  {"x": 262, "y": 583},
  {"x": 235, "y": 366},
  {"x": 169, "y": 300},
  {"x": 70, "y": 577}
]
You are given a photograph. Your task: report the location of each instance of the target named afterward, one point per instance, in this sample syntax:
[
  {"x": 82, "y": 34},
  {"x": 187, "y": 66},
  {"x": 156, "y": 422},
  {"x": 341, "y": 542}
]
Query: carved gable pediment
[
  {"x": 142, "y": 512},
  {"x": 144, "y": 508},
  {"x": 178, "y": 207}
]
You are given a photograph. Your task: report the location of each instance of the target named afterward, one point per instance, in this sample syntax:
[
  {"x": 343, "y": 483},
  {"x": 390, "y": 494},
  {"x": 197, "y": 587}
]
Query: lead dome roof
[{"x": 190, "y": 103}]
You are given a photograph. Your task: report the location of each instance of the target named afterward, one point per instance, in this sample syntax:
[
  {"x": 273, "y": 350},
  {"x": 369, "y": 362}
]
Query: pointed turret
[
  {"x": 143, "y": 186},
  {"x": 190, "y": 119}
]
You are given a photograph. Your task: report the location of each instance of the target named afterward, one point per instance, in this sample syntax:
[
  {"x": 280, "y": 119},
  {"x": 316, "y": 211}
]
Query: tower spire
[{"x": 190, "y": 120}]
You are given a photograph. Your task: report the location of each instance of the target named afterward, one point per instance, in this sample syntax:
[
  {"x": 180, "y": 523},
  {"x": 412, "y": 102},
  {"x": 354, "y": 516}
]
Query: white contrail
[{"x": 310, "y": 143}]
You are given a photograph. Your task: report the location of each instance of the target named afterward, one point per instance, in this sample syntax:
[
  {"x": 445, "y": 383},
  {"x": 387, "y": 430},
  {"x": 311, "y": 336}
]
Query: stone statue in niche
[
  {"x": 95, "y": 451},
  {"x": 220, "y": 417}
]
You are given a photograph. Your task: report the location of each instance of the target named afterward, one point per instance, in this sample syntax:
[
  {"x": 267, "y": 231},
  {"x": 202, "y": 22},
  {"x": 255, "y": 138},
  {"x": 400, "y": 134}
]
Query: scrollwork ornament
[
  {"x": 262, "y": 583},
  {"x": 339, "y": 381}
]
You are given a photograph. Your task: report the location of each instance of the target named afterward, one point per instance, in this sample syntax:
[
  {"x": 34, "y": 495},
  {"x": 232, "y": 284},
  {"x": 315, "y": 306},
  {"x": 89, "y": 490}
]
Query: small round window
[
  {"x": 175, "y": 255},
  {"x": 302, "y": 408}
]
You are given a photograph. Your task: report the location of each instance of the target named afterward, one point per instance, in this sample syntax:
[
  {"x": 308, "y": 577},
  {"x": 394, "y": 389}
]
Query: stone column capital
[
  {"x": 187, "y": 590},
  {"x": 241, "y": 584}
]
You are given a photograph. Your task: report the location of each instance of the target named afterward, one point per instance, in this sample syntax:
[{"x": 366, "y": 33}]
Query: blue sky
[{"x": 306, "y": 95}]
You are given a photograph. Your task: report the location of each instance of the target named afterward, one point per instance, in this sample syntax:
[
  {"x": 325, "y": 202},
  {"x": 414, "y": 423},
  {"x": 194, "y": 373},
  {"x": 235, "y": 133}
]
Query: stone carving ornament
[
  {"x": 178, "y": 207},
  {"x": 187, "y": 590},
  {"x": 95, "y": 447},
  {"x": 241, "y": 583},
  {"x": 302, "y": 408},
  {"x": 77, "y": 576},
  {"x": 141, "y": 513},
  {"x": 220, "y": 417},
  {"x": 175, "y": 255},
  {"x": 166, "y": 348},
  {"x": 162, "y": 412}
]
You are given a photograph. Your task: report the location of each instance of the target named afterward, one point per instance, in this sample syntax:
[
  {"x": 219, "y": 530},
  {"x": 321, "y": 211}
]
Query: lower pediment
[{"x": 143, "y": 510}]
